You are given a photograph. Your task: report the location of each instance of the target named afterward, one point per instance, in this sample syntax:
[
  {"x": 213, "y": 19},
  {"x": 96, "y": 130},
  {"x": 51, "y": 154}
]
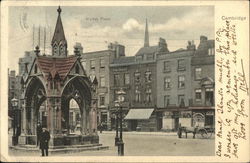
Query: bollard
[{"x": 120, "y": 145}]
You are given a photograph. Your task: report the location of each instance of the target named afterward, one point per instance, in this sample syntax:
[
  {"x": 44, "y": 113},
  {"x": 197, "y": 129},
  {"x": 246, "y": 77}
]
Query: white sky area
[{"x": 95, "y": 27}]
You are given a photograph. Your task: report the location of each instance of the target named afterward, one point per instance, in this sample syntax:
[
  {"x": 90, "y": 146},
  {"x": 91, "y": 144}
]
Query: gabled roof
[
  {"x": 56, "y": 66},
  {"x": 59, "y": 32}
]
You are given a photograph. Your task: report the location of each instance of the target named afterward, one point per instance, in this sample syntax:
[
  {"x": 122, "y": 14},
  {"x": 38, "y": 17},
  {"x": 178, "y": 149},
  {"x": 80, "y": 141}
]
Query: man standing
[
  {"x": 38, "y": 133},
  {"x": 44, "y": 141}
]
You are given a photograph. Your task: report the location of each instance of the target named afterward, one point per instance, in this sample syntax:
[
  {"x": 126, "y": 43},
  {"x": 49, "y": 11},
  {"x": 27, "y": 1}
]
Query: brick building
[
  {"x": 173, "y": 85},
  {"x": 136, "y": 75},
  {"x": 96, "y": 64},
  {"x": 185, "y": 86},
  {"x": 203, "y": 85}
]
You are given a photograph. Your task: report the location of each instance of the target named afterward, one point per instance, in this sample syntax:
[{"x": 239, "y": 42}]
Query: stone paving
[{"x": 146, "y": 144}]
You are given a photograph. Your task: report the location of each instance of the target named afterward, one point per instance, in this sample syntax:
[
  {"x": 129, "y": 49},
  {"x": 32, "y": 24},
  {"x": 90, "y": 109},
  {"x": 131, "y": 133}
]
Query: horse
[{"x": 187, "y": 130}]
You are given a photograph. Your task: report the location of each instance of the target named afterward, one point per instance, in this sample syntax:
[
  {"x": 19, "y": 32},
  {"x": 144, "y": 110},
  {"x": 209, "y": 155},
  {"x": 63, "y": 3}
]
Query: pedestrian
[
  {"x": 44, "y": 141},
  {"x": 179, "y": 131},
  {"x": 38, "y": 133},
  {"x": 101, "y": 127}
]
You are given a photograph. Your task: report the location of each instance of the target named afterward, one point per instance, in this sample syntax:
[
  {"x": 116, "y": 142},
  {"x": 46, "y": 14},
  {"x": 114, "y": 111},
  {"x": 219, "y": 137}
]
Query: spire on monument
[
  {"x": 146, "y": 37},
  {"x": 59, "y": 42}
]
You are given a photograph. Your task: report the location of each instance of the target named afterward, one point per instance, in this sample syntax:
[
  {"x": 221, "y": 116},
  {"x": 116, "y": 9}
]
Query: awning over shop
[{"x": 139, "y": 114}]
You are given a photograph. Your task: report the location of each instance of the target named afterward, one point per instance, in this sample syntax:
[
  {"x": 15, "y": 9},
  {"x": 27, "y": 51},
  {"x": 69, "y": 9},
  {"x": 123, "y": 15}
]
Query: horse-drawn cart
[{"x": 201, "y": 132}]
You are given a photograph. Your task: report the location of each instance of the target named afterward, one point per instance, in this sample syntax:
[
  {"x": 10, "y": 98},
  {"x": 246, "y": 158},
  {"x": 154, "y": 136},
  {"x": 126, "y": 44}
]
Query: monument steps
[{"x": 61, "y": 149}]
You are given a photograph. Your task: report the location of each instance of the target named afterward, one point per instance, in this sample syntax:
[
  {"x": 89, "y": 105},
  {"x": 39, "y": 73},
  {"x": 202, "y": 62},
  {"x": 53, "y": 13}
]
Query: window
[
  {"x": 166, "y": 100},
  {"x": 137, "y": 77},
  {"x": 198, "y": 94},
  {"x": 102, "y": 63},
  {"x": 148, "y": 94},
  {"x": 139, "y": 58},
  {"x": 150, "y": 57},
  {"x": 102, "y": 100},
  {"x": 92, "y": 64},
  {"x": 167, "y": 67},
  {"x": 181, "y": 64},
  {"x": 197, "y": 73},
  {"x": 167, "y": 83},
  {"x": 102, "y": 81},
  {"x": 116, "y": 79},
  {"x": 126, "y": 79},
  {"x": 181, "y": 81},
  {"x": 209, "y": 96},
  {"x": 211, "y": 51},
  {"x": 181, "y": 101},
  {"x": 148, "y": 76},
  {"x": 137, "y": 94}
]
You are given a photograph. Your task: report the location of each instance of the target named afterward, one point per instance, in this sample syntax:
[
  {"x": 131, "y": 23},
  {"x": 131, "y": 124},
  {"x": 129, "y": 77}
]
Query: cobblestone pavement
[{"x": 147, "y": 144}]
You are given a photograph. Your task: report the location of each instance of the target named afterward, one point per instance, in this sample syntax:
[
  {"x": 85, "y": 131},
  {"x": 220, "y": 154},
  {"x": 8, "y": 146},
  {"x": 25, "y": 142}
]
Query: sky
[{"x": 95, "y": 27}]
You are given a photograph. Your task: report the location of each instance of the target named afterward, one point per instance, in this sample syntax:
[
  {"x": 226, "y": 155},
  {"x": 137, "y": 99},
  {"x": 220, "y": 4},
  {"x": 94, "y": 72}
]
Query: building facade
[
  {"x": 96, "y": 64},
  {"x": 25, "y": 62},
  {"x": 203, "y": 83},
  {"x": 185, "y": 84},
  {"x": 136, "y": 75},
  {"x": 174, "y": 85}
]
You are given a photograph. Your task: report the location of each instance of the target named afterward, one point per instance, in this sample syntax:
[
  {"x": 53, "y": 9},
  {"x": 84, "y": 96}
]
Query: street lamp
[
  {"x": 116, "y": 122},
  {"x": 14, "y": 103},
  {"x": 120, "y": 144}
]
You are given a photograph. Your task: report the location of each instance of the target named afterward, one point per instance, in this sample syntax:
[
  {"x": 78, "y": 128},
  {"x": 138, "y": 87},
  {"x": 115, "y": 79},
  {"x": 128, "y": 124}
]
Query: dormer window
[{"x": 211, "y": 51}]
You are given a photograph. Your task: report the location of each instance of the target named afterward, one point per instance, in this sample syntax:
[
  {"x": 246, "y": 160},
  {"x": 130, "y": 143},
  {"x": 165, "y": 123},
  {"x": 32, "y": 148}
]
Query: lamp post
[
  {"x": 14, "y": 103},
  {"x": 116, "y": 123},
  {"x": 120, "y": 144}
]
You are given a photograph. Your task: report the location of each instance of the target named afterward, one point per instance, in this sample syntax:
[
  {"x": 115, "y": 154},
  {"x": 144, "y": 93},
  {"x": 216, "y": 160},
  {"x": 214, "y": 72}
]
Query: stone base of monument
[
  {"x": 61, "y": 149},
  {"x": 61, "y": 140}
]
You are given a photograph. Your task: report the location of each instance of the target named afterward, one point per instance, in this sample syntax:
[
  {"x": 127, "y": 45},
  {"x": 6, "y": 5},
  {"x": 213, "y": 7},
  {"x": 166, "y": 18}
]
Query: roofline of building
[
  {"x": 131, "y": 63},
  {"x": 100, "y": 51}
]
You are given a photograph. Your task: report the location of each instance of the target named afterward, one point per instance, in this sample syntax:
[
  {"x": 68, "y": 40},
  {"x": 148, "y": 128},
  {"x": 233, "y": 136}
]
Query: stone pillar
[
  {"x": 83, "y": 120},
  {"x": 23, "y": 118},
  {"x": 93, "y": 115}
]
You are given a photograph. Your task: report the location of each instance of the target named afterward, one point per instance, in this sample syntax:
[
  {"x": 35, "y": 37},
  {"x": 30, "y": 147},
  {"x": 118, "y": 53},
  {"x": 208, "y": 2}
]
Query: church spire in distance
[
  {"x": 146, "y": 37},
  {"x": 59, "y": 42}
]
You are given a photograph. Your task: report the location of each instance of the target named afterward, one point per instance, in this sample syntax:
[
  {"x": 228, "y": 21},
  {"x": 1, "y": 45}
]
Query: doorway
[{"x": 134, "y": 124}]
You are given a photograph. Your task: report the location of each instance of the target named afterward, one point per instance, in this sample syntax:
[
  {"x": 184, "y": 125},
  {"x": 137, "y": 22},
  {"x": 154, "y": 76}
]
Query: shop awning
[{"x": 139, "y": 114}]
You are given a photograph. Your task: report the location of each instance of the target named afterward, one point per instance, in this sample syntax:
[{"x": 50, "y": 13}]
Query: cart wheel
[
  {"x": 203, "y": 133},
  {"x": 210, "y": 133}
]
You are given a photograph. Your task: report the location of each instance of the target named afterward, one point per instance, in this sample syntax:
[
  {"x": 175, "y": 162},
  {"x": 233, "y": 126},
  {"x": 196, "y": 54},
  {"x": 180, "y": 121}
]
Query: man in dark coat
[
  {"x": 44, "y": 141},
  {"x": 38, "y": 133}
]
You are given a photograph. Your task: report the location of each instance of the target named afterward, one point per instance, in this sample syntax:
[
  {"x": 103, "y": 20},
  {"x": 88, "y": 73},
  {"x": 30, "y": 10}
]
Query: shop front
[
  {"x": 188, "y": 117},
  {"x": 141, "y": 119}
]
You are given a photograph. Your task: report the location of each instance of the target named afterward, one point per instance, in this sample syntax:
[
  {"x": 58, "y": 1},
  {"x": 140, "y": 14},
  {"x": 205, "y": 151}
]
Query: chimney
[
  {"x": 191, "y": 45},
  {"x": 79, "y": 47},
  {"x": 162, "y": 43},
  {"x": 119, "y": 49},
  {"x": 203, "y": 39}
]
